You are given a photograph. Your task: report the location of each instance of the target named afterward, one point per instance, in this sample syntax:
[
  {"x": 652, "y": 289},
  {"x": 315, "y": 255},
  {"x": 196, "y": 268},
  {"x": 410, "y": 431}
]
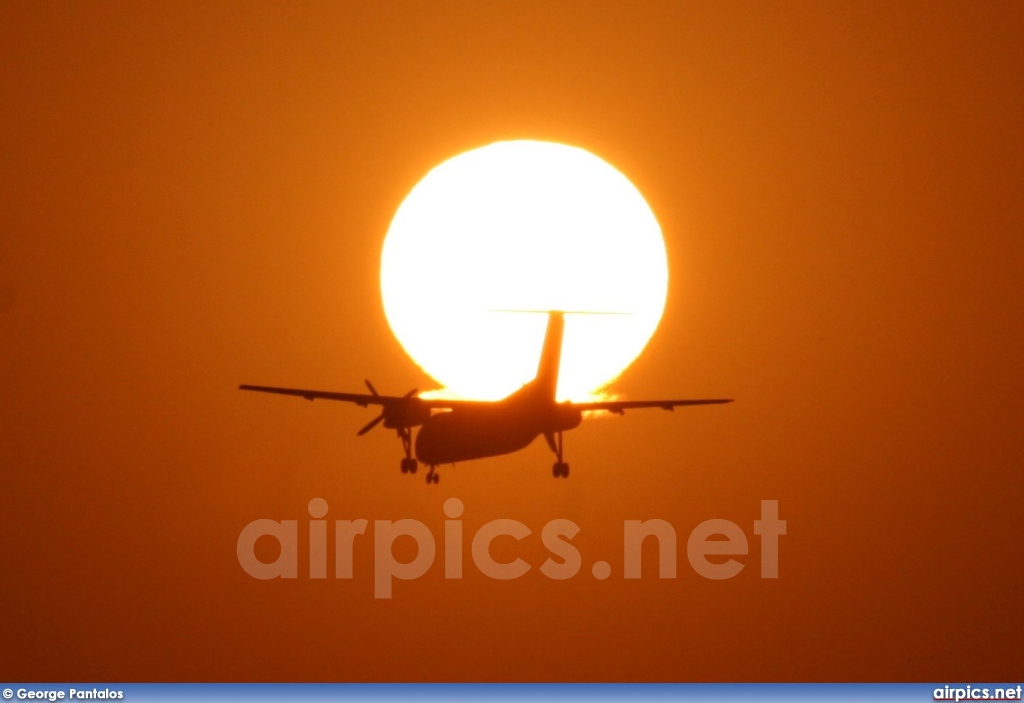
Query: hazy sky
[{"x": 195, "y": 195}]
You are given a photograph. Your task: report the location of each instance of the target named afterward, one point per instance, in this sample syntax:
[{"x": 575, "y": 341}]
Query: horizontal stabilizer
[{"x": 564, "y": 312}]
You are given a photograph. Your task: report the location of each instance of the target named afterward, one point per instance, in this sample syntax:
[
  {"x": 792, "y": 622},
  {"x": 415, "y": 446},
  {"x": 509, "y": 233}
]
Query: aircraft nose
[{"x": 426, "y": 445}]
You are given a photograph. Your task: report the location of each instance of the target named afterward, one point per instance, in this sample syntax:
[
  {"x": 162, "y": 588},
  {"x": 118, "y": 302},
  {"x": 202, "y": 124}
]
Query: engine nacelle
[
  {"x": 412, "y": 412},
  {"x": 566, "y": 417}
]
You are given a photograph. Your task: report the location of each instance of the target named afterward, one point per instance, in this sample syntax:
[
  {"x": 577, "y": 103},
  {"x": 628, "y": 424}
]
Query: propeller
[{"x": 380, "y": 418}]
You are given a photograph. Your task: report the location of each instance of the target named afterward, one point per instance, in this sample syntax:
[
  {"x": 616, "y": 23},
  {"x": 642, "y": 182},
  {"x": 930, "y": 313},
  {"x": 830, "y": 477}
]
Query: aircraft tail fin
[
  {"x": 551, "y": 355},
  {"x": 546, "y": 380}
]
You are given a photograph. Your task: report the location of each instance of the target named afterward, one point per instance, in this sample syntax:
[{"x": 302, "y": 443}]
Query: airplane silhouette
[{"x": 476, "y": 429}]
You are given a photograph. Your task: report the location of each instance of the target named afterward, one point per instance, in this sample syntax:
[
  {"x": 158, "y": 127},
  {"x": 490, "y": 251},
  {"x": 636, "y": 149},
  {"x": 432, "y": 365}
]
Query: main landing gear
[
  {"x": 559, "y": 469},
  {"x": 410, "y": 465}
]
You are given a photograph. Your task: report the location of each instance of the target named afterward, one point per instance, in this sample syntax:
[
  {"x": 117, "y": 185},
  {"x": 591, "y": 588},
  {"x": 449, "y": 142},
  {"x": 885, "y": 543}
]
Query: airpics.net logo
[{"x": 711, "y": 538}]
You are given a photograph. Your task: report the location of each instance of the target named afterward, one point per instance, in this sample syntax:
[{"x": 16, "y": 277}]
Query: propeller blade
[
  {"x": 377, "y": 420},
  {"x": 370, "y": 425}
]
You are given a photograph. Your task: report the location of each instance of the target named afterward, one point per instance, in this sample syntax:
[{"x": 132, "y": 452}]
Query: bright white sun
[{"x": 523, "y": 225}]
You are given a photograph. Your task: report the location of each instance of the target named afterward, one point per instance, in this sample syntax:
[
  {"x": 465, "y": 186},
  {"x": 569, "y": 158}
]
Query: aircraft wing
[
  {"x": 621, "y": 406},
  {"x": 361, "y": 399}
]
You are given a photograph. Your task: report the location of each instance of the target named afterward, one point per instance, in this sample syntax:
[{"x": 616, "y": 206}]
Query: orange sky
[{"x": 195, "y": 196}]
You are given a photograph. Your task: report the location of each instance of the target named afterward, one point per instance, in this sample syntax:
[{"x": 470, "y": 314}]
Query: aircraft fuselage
[{"x": 499, "y": 428}]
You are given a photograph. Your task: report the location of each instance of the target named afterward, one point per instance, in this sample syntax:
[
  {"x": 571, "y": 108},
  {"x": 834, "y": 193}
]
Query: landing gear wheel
[
  {"x": 560, "y": 469},
  {"x": 433, "y": 476},
  {"x": 409, "y": 466}
]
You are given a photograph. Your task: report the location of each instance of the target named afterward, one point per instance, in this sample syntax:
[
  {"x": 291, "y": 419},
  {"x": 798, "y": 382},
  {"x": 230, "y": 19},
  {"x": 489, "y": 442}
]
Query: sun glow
[{"x": 523, "y": 225}]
